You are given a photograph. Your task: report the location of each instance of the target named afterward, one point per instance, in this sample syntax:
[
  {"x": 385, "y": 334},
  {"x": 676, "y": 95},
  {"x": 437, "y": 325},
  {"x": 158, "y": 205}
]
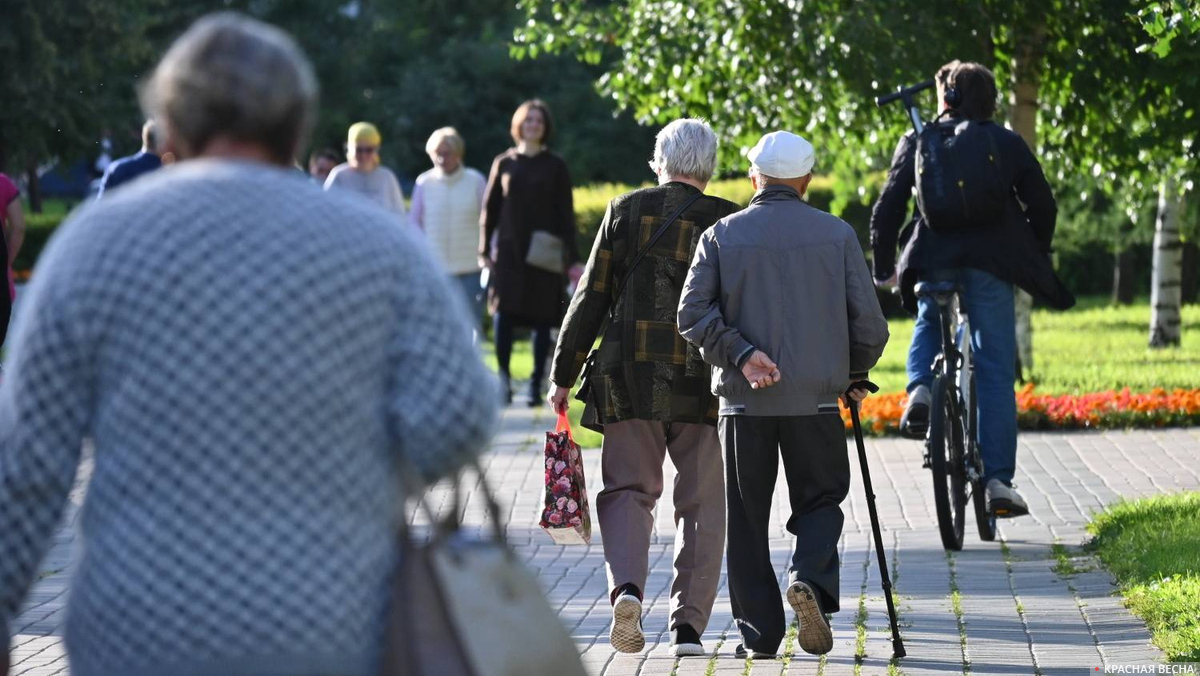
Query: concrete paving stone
[{"x": 1070, "y": 624}]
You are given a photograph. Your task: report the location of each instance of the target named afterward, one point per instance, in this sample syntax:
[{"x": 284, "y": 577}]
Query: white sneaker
[
  {"x": 685, "y": 642},
  {"x": 687, "y": 650},
  {"x": 1004, "y": 501},
  {"x": 626, "y": 633},
  {"x": 914, "y": 422}
]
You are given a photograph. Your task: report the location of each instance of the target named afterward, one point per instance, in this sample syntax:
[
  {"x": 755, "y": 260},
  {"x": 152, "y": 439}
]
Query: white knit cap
[{"x": 782, "y": 154}]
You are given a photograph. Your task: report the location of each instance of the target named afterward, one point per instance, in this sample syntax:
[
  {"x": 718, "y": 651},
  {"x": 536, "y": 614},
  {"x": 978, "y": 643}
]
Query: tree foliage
[
  {"x": 410, "y": 66},
  {"x": 750, "y": 66},
  {"x": 1123, "y": 115},
  {"x": 66, "y": 64}
]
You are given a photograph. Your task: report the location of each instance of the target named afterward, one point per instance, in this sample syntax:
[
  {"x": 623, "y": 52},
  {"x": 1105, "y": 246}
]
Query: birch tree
[
  {"x": 1165, "y": 291},
  {"x": 1174, "y": 28}
]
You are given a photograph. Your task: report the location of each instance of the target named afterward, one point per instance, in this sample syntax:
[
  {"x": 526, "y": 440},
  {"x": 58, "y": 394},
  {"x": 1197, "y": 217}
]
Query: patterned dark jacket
[{"x": 645, "y": 370}]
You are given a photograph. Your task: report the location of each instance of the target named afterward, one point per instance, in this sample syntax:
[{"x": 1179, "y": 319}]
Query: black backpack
[{"x": 960, "y": 183}]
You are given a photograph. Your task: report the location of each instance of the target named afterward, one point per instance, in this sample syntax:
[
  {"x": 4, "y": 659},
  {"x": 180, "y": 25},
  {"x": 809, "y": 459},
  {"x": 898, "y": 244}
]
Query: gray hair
[
  {"x": 230, "y": 75},
  {"x": 686, "y": 147}
]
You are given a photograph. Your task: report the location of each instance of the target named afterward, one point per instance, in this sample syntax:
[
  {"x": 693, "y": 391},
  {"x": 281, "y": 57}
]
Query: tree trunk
[
  {"x": 1027, "y": 66},
  {"x": 1189, "y": 286},
  {"x": 1123, "y": 282},
  {"x": 35, "y": 188},
  {"x": 1165, "y": 284}
]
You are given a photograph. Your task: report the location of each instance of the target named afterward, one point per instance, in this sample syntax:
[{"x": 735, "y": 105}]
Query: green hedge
[
  {"x": 591, "y": 201},
  {"x": 38, "y": 228}
]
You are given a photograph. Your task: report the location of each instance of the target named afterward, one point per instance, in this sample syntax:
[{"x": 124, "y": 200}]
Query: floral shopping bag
[{"x": 566, "y": 516}]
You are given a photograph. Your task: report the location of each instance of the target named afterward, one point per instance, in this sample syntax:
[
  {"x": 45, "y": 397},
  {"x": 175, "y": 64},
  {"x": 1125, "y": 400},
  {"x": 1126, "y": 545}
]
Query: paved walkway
[{"x": 1012, "y": 613}]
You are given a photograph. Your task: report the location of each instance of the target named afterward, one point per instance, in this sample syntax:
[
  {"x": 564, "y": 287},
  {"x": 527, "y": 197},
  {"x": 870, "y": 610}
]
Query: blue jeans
[
  {"x": 469, "y": 283},
  {"x": 989, "y": 305}
]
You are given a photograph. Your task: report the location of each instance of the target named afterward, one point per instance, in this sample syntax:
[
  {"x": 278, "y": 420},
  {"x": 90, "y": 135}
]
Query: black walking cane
[{"x": 897, "y": 643}]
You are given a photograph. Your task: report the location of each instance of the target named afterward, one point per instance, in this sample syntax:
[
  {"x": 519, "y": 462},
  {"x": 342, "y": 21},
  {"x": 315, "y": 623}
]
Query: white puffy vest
[{"x": 451, "y": 205}]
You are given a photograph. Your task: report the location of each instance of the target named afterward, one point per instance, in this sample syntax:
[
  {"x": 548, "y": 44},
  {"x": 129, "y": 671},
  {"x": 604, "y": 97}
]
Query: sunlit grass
[
  {"x": 1152, "y": 546},
  {"x": 1091, "y": 349}
]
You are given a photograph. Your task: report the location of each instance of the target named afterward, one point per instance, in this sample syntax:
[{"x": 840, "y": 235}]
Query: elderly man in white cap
[{"x": 780, "y": 301}]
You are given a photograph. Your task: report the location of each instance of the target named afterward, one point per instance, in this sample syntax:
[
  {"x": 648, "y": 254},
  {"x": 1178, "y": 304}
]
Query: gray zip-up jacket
[{"x": 790, "y": 280}]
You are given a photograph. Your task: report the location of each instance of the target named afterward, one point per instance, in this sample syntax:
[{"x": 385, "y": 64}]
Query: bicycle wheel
[
  {"x": 946, "y": 460},
  {"x": 985, "y": 521}
]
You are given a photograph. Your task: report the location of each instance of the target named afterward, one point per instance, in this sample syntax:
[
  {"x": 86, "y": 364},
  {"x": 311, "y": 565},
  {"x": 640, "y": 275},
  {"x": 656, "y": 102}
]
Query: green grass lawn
[
  {"x": 1152, "y": 546},
  {"x": 1090, "y": 348}
]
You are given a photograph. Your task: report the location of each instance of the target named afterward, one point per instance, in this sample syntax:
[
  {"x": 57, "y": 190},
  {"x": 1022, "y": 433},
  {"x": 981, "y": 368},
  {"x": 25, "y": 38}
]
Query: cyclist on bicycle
[{"x": 986, "y": 254}]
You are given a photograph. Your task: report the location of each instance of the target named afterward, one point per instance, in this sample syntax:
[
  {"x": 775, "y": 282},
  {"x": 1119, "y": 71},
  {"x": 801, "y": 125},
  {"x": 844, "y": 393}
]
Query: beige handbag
[
  {"x": 463, "y": 605},
  {"x": 547, "y": 252}
]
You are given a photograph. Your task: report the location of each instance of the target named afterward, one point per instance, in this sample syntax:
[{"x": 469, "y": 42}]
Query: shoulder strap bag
[{"x": 463, "y": 604}]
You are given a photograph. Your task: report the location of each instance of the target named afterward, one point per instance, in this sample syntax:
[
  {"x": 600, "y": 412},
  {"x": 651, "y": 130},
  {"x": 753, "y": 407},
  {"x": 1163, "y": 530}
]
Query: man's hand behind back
[{"x": 760, "y": 371}]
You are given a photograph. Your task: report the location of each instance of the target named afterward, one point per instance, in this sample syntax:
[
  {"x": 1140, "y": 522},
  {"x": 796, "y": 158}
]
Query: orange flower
[{"x": 1110, "y": 409}]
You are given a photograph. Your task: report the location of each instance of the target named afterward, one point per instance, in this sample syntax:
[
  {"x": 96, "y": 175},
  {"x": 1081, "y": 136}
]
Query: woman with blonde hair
[
  {"x": 528, "y": 209},
  {"x": 362, "y": 172}
]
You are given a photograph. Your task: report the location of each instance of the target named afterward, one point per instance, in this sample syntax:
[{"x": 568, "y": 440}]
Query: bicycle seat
[{"x": 941, "y": 292}]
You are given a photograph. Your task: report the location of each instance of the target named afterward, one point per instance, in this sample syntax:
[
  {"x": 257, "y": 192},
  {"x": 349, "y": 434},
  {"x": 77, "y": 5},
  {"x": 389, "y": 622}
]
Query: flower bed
[{"x": 1097, "y": 410}]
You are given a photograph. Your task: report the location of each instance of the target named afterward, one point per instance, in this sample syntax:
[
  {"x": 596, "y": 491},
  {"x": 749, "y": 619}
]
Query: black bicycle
[
  {"x": 950, "y": 447},
  {"x": 951, "y": 451}
]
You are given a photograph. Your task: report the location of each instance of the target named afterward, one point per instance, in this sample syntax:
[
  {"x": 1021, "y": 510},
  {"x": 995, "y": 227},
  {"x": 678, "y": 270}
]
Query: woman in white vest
[{"x": 445, "y": 205}]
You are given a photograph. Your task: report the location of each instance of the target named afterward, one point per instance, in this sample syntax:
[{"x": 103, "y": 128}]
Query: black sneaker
[
  {"x": 914, "y": 422},
  {"x": 685, "y": 642},
  {"x": 816, "y": 638},
  {"x": 741, "y": 653}
]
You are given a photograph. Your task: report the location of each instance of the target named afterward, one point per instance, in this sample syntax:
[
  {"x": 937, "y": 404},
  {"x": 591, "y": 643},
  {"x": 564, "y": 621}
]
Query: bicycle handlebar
[{"x": 903, "y": 93}]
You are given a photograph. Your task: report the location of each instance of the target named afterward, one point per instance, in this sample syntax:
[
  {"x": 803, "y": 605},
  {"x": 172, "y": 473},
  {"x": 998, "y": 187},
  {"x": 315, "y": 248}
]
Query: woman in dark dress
[{"x": 528, "y": 189}]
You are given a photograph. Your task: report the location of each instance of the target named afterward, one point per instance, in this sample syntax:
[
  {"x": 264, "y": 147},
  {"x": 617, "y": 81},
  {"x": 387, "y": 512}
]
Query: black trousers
[
  {"x": 503, "y": 333},
  {"x": 817, "y": 467}
]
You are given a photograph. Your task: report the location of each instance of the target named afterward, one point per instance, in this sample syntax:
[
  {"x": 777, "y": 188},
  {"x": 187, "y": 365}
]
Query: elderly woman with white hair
[
  {"x": 446, "y": 203},
  {"x": 251, "y": 357},
  {"x": 650, "y": 389}
]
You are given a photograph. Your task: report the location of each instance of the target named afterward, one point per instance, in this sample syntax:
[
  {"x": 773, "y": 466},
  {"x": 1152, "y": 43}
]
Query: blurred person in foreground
[
  {"x": 128, "y": 168},
  {"x": 321, "y": 163},
  {"x": 446, "y": 202},
  {"x": 363, "y": 174},
  {"x": 780, "y": 301},
  {"x": 528, "y": 189},
  {"x": 250, "y": 377},
  {"x": 651, "y": 389}
]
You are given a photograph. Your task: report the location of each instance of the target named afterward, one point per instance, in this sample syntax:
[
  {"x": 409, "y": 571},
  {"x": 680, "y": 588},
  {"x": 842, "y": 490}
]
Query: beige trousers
[{"x": 632, "y": 467}]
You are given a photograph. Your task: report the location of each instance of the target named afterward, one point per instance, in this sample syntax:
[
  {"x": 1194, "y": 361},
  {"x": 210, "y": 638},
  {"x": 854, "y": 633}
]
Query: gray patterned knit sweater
[{"x": 250, "y": 356}]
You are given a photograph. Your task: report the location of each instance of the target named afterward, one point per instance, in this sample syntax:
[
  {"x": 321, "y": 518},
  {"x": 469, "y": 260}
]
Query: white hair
[
  {"x": 686, "y": 148},
  {"x": 449, "y": 135},
  {"x": 230, "y": 75}
]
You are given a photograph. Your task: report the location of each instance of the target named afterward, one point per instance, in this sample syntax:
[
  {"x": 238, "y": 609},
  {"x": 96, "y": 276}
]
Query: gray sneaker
[
  {"x": 1004, "y": 501},
  {"x": 816, "y": 637},
  {"x": 915, "y": 420}
]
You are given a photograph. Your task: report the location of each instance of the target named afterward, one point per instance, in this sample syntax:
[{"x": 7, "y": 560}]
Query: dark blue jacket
[
  {"x": 1017, "y": 250},
  {"x": 128, "y": 168}
]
